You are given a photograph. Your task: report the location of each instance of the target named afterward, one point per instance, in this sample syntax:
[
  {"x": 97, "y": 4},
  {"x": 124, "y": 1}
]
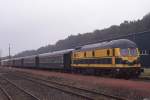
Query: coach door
[{"x": 67, "y": 62}]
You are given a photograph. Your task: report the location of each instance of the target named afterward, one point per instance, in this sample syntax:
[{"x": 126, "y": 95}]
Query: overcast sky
[{"x": 30, "y": 24}]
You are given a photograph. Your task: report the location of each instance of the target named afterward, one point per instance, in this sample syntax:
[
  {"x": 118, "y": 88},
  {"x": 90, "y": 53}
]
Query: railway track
[
  {"x": 13, "y": 92},
  {"x": 54, "y": 84},
  {"x": 4, "y": 94},
  {"x": 84, "y": 93},
  {"x": 30, "y": 86}
]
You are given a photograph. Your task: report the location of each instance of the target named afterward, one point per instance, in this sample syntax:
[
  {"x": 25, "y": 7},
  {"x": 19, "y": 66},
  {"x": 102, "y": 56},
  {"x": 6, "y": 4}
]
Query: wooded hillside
[{"x": 127, "y": 27}]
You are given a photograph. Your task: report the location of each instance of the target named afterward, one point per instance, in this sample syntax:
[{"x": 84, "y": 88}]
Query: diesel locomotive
[{"x": 117, "y": 58}]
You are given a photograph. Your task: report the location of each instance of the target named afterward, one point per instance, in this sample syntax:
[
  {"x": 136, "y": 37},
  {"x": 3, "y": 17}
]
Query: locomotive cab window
[
  {"x": 124, "y": 52},
  {"x": 133, "y": 51}
]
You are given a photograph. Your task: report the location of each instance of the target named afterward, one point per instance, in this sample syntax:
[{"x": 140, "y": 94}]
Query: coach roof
[{"x": 56, "y": 52}]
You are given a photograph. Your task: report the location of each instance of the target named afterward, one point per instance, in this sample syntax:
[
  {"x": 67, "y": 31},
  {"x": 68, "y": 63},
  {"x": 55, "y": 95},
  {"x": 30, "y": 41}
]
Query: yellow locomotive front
[
  {"x": 127, "y": 61},
  {"x": 117, "y": 57},
  {"x": 127, "y": 57}
]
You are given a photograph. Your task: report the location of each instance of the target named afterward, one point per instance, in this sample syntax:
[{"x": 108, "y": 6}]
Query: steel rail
[
  {"x": 83, "y": 90},
  {"x": 20, "y": 89},
  {"x": 6, "y": 93}
]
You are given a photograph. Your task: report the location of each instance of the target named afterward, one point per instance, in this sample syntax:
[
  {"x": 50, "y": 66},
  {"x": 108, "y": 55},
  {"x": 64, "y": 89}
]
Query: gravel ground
[
  {"x": 41, "y": 91},
  {"x": 3, "y": 95},
  {"x": 15, "y": 93},
  {"x": 132, "y": 90}
]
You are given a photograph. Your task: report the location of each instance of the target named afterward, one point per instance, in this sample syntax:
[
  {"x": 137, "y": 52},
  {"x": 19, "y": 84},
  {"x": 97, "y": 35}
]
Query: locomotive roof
[
  {"x": 57, "y": 52},
  {"x": 120, "y": 43}
]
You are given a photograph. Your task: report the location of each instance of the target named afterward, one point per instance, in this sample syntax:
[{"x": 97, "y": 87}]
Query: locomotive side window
[
  {"x": 84, "y": 54},
  {"x": 74, "y": 55},
  {"x": 93, "y": 53},
  {"x": 113, "y": 52},
  {"x": 108, "y": 52}
]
